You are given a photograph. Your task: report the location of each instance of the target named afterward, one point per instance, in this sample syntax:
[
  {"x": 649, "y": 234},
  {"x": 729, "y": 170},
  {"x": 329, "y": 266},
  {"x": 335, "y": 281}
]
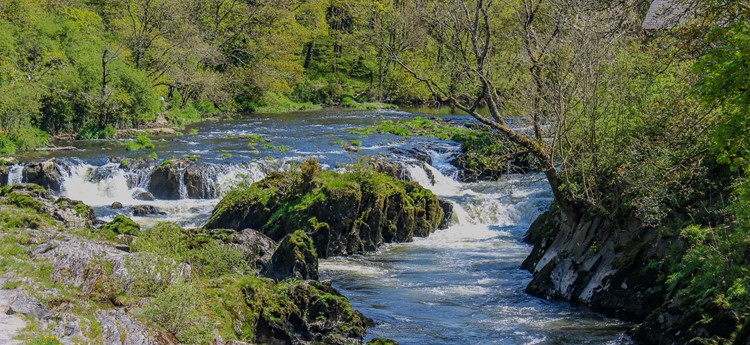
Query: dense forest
[
  {"x": 644, "y": 126},
  {"x": 89, "y": 67}
]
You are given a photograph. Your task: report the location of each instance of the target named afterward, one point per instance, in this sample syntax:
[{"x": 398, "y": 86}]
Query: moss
[
  {"x": 122, "y": 225},
  {"x": 24, "y": 201}
]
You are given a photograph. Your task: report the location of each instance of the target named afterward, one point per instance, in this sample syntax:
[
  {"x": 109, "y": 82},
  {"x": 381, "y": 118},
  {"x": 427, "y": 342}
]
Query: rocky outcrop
[
  {"x": 596, "y": 262},
  {"x": 4, "y": 172},
  {"x": 343, "y": 213},
  {"x": 173, "y": 179},
  {"x": 166, "y": 179},
  {"x": 120, "y": 328},
  {"x": 295, "y": 257},
  {"x": 71, "y": 213},
  {"x": 100, "y": 270},
  {"x": 257, "y": 248},
  {"x": 48, "y": 174},
  {"x": 293, "y": 312},
  {"x": 677, "y": 322}
]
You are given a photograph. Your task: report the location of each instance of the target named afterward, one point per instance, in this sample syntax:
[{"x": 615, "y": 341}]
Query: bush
[
  {"x": 215, "y": 259},
  {"x": 142, "y": 142},
  {"x": 177, "y": 309},
  {"x": 7, "y": 146},
  {"x": 166, "y": 239}
]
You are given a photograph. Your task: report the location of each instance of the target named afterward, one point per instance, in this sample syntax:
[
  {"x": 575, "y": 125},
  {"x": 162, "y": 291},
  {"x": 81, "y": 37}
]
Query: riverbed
[{"x": 461, "y": 285}]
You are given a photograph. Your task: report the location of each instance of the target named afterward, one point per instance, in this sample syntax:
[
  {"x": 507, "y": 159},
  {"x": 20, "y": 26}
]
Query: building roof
[{"x": 665, "y": 14}]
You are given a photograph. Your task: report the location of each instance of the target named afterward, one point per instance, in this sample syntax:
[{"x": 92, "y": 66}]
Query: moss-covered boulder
[
  {"x": 122, "y": 225},
  {"x": 72, "y": 213},
  {"x": 295, "y": 257},
  {"x": 344, "y": 213},
  {"x": 263, "y": 311}
]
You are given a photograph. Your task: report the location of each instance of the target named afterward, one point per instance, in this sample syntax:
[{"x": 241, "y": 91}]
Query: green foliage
[
  {"x": 178, "y": 310},
  {"x": 121, "y": 225},
  {"x": 724, "y": 84},
  {"x": 92, "y": 131},
  {"x": 165, "y": 239},
  {"x": 216, "y": 259},
  {"x": 141, "y": 143}
]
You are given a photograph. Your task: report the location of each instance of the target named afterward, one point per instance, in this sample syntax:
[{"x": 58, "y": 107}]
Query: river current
[{"x": 461, "y": 285}]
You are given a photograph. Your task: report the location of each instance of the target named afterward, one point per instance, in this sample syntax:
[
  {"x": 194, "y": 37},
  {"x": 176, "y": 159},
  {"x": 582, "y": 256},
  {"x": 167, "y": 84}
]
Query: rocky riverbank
[
  {"x": 620, "y": 268},
  {"x": 74, "y": 281}
]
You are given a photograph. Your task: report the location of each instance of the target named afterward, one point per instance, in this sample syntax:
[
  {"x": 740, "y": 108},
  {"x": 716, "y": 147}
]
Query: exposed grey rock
[
  {"x": 144, "y": 196},
  {"x": 4, "y": 172},
  {"x": 87, "y": 264},
  {"x": 68, "y": 329},
  {"x": 119, "y": 328},
  {"x": 116, "y": 205},
  {"x": 48, "y": 174},
  {"x": 447, "y": 207},
  {"x": 165, "y": 180},
  {"x": 147, "y": 210},
  {"x": 27, "y": 305},
  {"x": 257, "y": 247},
  {"x": 10, "y": 324}
]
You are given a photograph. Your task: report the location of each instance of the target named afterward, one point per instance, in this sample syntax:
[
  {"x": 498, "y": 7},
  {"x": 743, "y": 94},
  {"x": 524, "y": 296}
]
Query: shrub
[{"x": 177, "y": 309}]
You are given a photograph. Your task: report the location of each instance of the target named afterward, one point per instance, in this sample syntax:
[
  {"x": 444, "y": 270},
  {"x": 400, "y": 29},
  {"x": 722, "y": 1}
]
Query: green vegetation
[
  {"x": 328, "y": 204},
  {"x": 142, "y": 142}
]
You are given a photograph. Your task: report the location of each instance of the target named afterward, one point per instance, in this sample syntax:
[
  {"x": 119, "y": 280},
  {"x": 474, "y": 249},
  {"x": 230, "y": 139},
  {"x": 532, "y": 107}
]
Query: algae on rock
[{"x": 344, "y": 213}]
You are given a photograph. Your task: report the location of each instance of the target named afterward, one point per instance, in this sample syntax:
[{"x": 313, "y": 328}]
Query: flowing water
[{"x": 461, "y": 285}]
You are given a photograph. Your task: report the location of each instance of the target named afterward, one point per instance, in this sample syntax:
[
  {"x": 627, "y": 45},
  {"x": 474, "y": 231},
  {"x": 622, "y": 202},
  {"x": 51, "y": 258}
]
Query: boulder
[
  {"x": 48, "y": 174},
  {"x": 116, "y": 205},
  {"x": 166, "y": 179},
  {"x": 4, "y": 172},
  {"x": 144, "y": 196},
  {"x": 120, "y": 328},
  {"x": 344, "y": 214},
  {"x": 257, "y": 248},
  {"x": 72, "y": 213},
  {"x": 146, "y": 210},
  {"x": 26, "y": 305},
  {"x": 447, "y": 208},
  {"x": 200, "y": 181},
  {"x": 122, "y": 225},
  {"x": 295, "y": 258}
]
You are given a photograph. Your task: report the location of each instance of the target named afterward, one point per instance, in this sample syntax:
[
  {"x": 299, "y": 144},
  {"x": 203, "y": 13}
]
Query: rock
[
  {"x": 200, "y": 181},
  {"x": 48, "y": 174},
  {"x": 144, "y": 196},
  {"x": 146, "y": 210},
  {"x": 382, "y": 341},
  {"x": 119, "y": 328},
  {"x": 447, "y": 208},
  {"x": 116, "y": 205},
  {"x": 122, "y": 225},
  {"x": 100, "y": 270},
  {"x": 29, "y": 306},
  {"x": 415, "y": 153},
  {"x": 72, "y": 213},
  {"x": 302, "y": 312},
  {"x": 351, "y": 149},
  {"x": 257, "y": 248},
  {"x": 10, "y": 324},
  {"x": 68, "y": 329},
  {"x": 166, "y": 179},
  {"x": 345, "y": 214},
  {"x": 391, "y": 169},
  {"x": 4, "y": 172},
  {"x": 295, "y": 258}
]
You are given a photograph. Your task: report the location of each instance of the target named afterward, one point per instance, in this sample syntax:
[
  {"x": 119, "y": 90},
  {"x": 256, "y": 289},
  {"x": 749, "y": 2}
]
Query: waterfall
[{"x": 15, "y": 175}]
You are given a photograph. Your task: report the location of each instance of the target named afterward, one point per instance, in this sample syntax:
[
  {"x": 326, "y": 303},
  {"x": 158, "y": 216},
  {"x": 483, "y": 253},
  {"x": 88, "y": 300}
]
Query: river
[{"x": 461, "y": 285}]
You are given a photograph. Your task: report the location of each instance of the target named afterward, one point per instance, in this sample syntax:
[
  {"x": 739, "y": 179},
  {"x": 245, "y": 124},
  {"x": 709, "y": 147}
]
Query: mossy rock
[
  {"x": 294, "y": 257},
  {"x": 263, "y": 311},
  {"x": 122, "y": 225},
  {"x": 382, "y": 341},
  {"x": 344, "y": 213}
]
